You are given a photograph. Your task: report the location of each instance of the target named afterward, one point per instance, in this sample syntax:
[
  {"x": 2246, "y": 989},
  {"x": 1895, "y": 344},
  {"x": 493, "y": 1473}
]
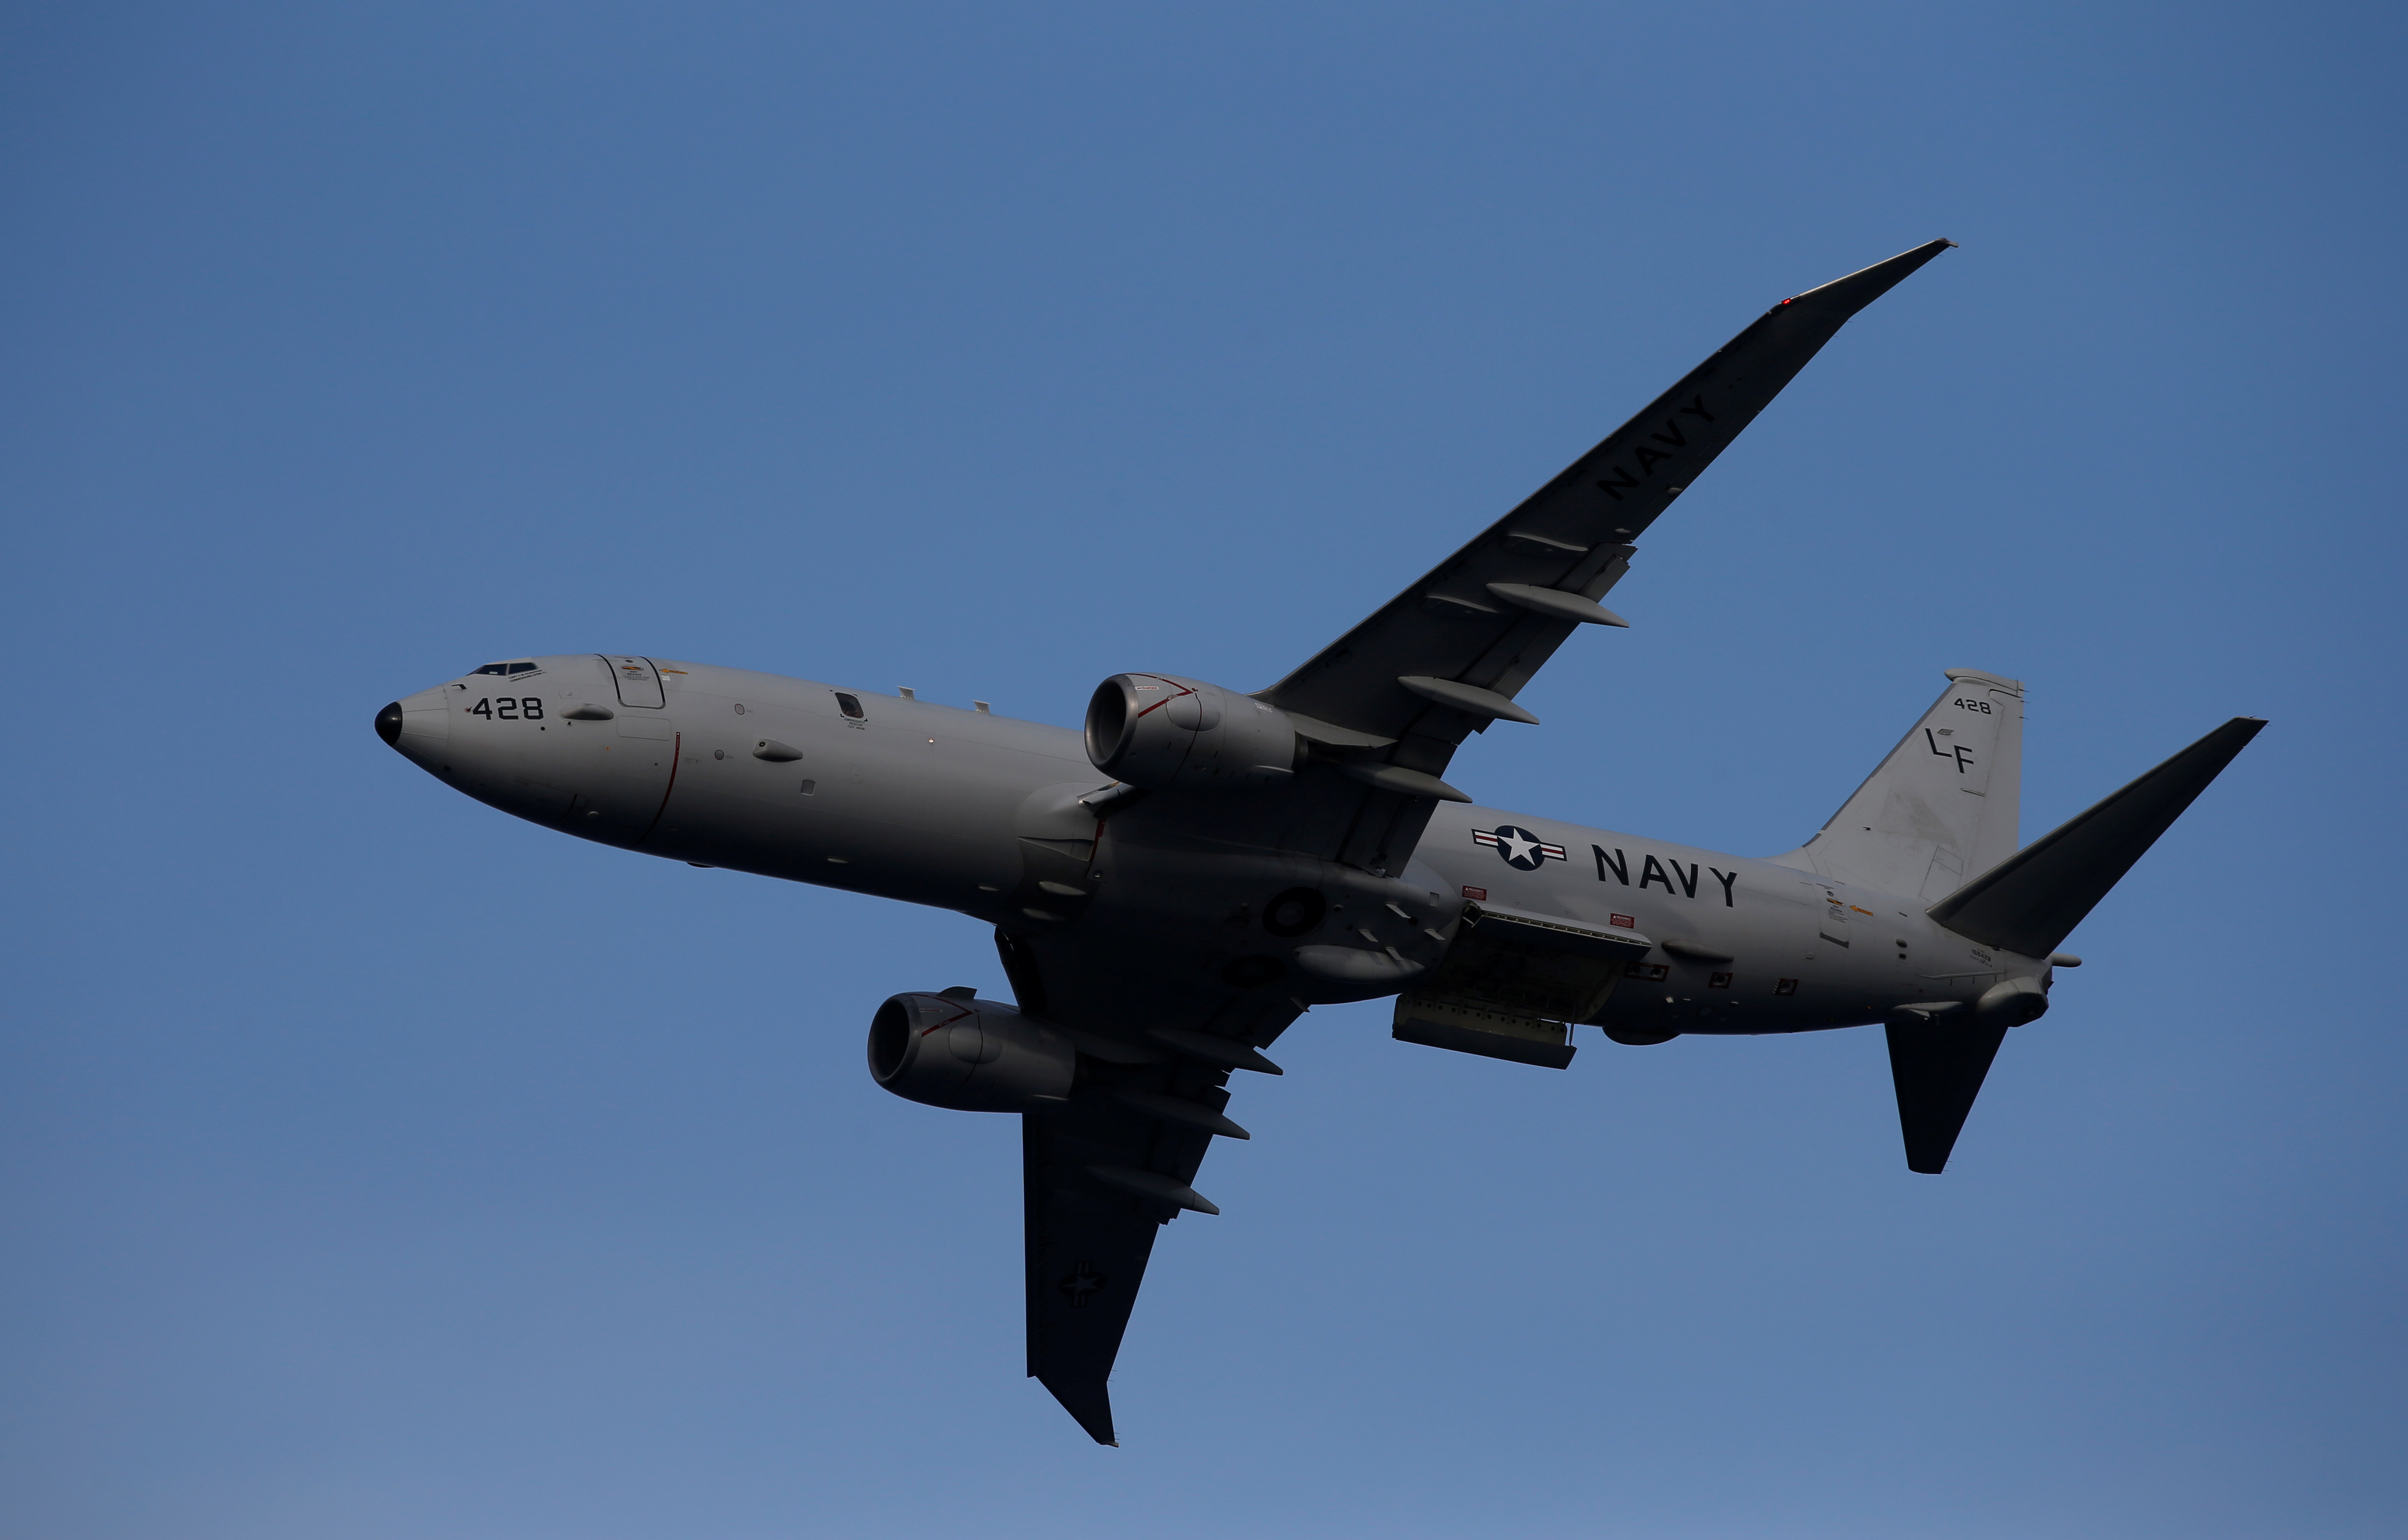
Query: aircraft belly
[
  {"x": 1257, "y": 921},
  {"x": 1748, "y": 951},
  {"x": 892, "y": 860}
]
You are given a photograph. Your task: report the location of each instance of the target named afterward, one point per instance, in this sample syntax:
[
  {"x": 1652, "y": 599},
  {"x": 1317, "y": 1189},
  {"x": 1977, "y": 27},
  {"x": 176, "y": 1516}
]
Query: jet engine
[
  {"x": 2013, "y": 1002},
  {"x": 1158, "y": 731},
  {"x": 968, "y": 1055}
]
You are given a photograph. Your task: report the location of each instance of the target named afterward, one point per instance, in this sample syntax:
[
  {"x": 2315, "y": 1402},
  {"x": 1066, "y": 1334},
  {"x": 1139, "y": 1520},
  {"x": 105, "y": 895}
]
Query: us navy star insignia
[
  {"x": 1521, "y": 849},
  {"x": 1082, "y": 1283}
]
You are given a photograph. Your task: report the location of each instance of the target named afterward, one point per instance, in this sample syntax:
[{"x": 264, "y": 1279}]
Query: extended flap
[
  {"x": 1522, "y": 929},
  {"x": 1513, "y": 983},
  {"x": 1548, "y": 966}
]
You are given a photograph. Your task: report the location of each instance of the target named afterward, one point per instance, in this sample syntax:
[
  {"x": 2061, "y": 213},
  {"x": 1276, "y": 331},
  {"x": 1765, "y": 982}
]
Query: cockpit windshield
[{"x": 506, "y": 668}]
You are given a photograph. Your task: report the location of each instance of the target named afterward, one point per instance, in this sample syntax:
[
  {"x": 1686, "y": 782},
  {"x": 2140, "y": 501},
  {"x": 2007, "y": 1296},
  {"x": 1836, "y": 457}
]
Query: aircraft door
[
  {"x": 621, "y": 769},
  {"x": 1833, "y": 921},
  {"x": 625, "y": 775},
  {"x": 639, "y": 681}
]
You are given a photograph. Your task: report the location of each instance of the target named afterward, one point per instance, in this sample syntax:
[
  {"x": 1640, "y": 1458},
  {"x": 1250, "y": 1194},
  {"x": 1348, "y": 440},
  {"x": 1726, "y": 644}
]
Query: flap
[
  {"x": 1524, "y": 928},
  {"x": 1514, "y": 976}
]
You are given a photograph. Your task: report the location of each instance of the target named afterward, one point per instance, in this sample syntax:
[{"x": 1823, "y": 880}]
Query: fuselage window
[{"x": 850, "y": 706}]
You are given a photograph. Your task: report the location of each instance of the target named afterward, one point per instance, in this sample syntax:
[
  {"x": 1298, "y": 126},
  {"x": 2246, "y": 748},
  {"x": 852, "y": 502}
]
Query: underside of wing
[
  {"x": 1446, "y": 656},
  {"x": 1104, "y": 1172}
]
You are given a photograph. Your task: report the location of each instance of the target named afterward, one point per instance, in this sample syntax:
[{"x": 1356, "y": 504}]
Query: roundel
[{"x": 1521, "y": 849}]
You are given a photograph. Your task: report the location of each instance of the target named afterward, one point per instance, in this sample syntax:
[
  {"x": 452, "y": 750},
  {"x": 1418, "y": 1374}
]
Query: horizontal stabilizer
[
  {"x": 2031, "y": 901},
  {"x": 1938, "y": 1069}
]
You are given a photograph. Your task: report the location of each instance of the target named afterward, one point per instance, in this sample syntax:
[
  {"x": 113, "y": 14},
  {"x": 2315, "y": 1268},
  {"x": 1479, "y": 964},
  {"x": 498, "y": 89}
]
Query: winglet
[
  {"x": 1849, "y": 294},
  {"x": 1090, "y": 1402}
]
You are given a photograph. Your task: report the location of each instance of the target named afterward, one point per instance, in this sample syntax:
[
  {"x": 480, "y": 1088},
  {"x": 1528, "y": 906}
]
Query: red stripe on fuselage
[{"x": 676, "y": 744}]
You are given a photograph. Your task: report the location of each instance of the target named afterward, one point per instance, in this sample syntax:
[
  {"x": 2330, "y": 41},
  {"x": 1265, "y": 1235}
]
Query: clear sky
[{"x": 374, "y": 1165}]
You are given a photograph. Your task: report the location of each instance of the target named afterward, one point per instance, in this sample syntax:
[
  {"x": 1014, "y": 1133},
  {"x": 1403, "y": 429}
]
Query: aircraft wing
[
  {"x": 1446, "y": 656},
  {"x": 1101, "y": 1176}
]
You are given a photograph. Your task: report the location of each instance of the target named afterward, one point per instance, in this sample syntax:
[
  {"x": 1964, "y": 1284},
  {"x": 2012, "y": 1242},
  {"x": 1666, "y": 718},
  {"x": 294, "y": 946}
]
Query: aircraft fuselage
[{"x": 935, "y": 805}]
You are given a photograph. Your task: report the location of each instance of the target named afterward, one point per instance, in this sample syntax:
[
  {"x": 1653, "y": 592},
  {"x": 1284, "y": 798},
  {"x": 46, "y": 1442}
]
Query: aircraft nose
[{"x": 417, "y": 727}]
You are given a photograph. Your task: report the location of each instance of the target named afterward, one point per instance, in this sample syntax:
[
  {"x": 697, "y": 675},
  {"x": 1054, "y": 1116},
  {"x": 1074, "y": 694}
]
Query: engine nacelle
[
  {"x": 968, "y": 1055},
  {"x": 2013, "y": 1002},
  {"x": 1159, "y": 731}
]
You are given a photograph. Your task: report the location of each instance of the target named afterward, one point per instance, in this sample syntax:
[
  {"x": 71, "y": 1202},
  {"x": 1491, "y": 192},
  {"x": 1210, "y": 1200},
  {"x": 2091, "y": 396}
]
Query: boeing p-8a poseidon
[{"x": 1171, "y": 890}]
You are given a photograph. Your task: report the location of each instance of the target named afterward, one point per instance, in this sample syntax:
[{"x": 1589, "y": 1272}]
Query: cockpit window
[
  {"x": 521, "y": 667},
  {"x": 494, "y": 668},
  {"x": 507, "y": 668},
  {"x": 850, "y": 706}
]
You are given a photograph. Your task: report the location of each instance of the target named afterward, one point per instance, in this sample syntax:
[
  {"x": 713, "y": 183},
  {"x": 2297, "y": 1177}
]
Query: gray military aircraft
[{"x": 1171, "y": 889}]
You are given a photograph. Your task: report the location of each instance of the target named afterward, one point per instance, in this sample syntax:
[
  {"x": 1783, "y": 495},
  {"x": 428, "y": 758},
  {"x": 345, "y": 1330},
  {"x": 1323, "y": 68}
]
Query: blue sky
[{"x": 374, "y": 1165}]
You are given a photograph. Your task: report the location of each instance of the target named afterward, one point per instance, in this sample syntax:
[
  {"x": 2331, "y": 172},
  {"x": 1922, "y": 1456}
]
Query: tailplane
[
  {"x": 1944, "y": 804},
  {"x": 1938, "y": 1068},
  {"x": 2028, "y": 904},
  {"x": 2032, "y": 900}
]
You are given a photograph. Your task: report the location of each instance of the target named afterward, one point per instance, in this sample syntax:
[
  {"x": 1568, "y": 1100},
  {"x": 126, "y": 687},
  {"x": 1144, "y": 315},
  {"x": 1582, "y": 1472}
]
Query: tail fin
[
  {"x": 2034, "y": 899},
  {"x": 1943, "y": 804}
]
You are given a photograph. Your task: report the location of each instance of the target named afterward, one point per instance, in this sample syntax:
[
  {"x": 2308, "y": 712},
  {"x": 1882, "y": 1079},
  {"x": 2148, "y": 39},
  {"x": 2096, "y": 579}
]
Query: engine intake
[
  {"x": 1160, "y": 731},
  {"x": 968, "y": 1055}
]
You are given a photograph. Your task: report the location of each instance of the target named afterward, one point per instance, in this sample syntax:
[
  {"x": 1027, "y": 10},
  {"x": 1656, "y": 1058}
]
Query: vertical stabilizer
[{"x": 1943, "y": 806}]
